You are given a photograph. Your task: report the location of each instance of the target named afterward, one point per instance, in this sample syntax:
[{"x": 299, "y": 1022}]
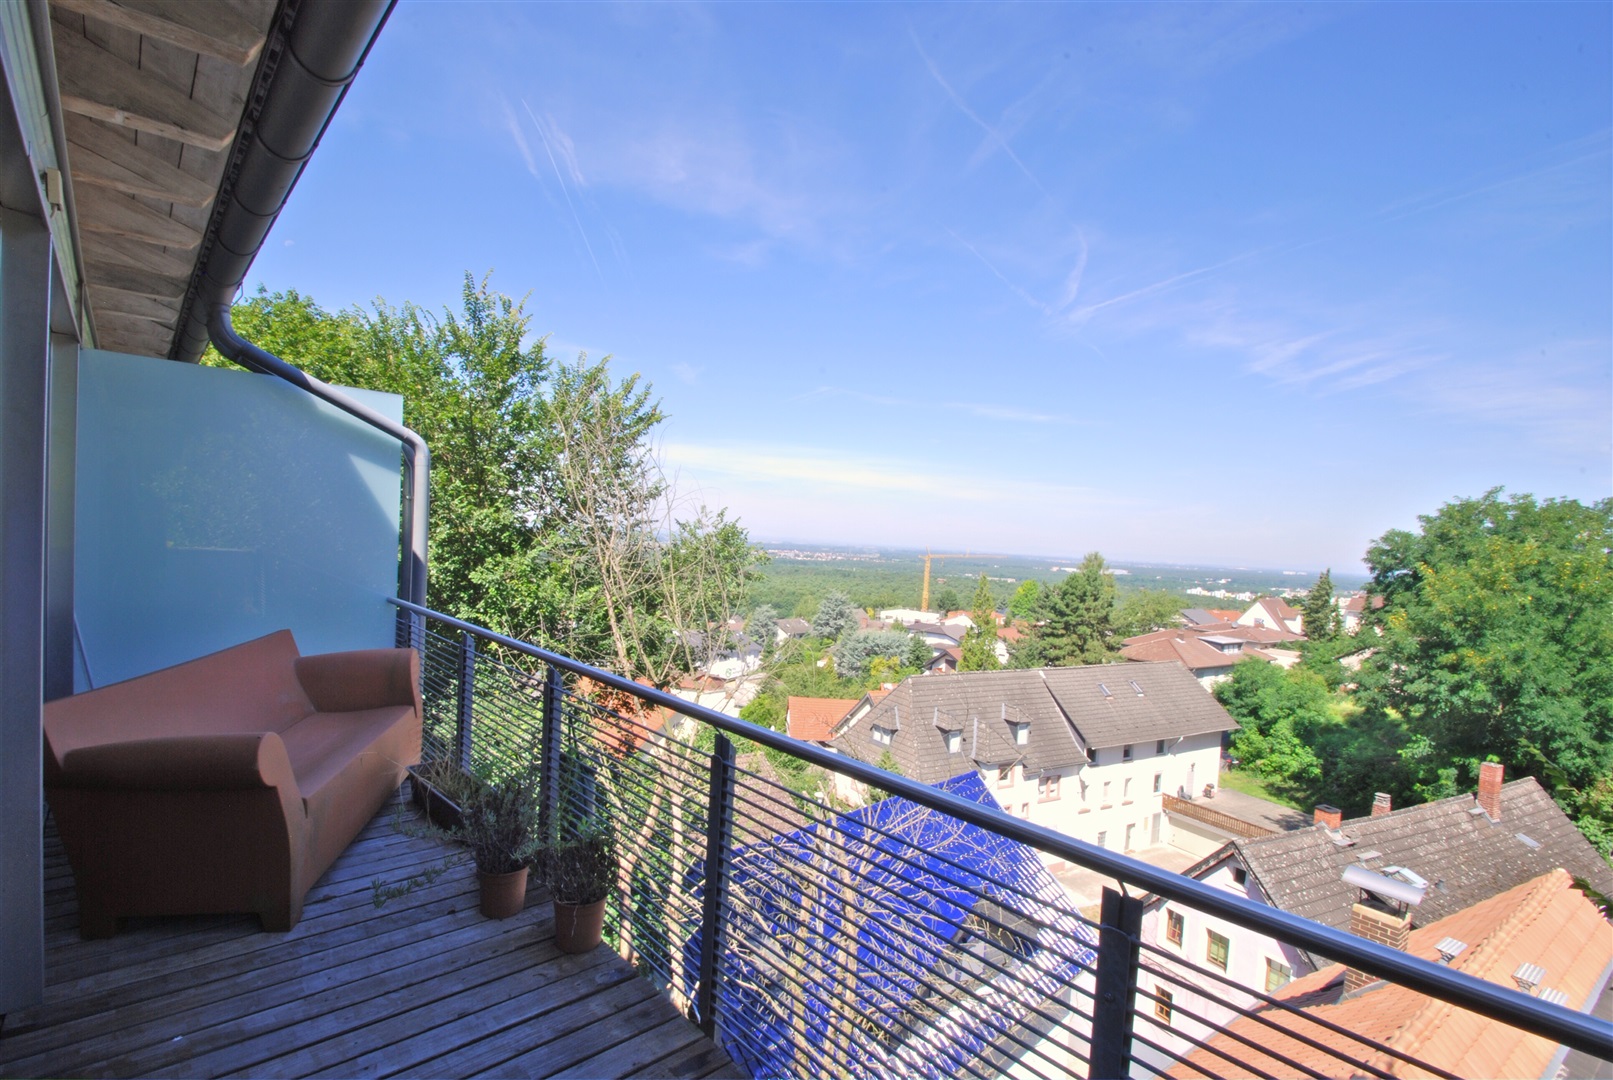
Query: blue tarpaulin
[{"x": 962, "y": 937}]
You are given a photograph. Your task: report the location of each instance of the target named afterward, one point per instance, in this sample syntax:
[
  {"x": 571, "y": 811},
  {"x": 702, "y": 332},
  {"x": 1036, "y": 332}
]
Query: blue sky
[{"x": 1235, "y": 284}]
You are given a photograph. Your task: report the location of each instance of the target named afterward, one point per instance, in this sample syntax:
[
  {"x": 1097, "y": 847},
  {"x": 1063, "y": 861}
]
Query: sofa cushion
[{"x": 322, "y": 744}]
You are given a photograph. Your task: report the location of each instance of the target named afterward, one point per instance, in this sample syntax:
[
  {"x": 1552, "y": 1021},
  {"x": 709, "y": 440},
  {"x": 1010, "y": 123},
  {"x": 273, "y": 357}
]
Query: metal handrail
[{"x": 1563, "y": 1025}]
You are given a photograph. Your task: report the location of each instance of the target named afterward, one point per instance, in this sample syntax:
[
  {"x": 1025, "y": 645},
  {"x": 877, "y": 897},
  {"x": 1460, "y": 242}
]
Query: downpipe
[{"x": 416, "y": 456}]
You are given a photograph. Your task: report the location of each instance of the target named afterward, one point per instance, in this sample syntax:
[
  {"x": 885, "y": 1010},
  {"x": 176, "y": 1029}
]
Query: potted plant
[
  {"x": 500, "y": 827},
  {"x": 580, "y": 870},
  {"x": 440, "y": 789}
]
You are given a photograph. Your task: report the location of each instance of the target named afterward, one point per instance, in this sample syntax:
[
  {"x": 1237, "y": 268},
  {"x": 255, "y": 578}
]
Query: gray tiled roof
[
  {"x": 1066, "y": 709},
  {"x": 1465, "y": 857}
]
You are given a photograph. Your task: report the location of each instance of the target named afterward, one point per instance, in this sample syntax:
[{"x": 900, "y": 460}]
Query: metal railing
[{"x": 919, "y": 934}]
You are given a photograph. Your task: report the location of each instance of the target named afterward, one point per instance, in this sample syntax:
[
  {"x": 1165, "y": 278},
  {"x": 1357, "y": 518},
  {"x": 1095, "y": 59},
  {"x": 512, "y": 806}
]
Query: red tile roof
[
  {"x": 810, "y": 719},
  {"x": 1545, "y": 921},
  {"x": 1189, "y": 650}
]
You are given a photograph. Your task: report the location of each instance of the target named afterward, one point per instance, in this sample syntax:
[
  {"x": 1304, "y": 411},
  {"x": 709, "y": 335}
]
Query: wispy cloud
[
  {"x": 569, "y": 153},
  {"x": 984, "y": 410},
  {"x": 992, "y": 134},
  {"x": 686, "y": 373}
]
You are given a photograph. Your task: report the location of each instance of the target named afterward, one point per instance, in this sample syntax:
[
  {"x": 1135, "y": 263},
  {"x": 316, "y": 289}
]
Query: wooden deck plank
[
  {"x": 421, "y": 986},
  {"x": 424, "y": 1032},
  {"x": 696, "y": 1059},
  {"x": 567, "y": 1014},
  {"x": 645, "y": 1049},
  {"x": 155, "y": 1021}
]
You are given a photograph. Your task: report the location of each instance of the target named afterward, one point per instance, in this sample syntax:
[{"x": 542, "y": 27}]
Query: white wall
[
  {"x": 1247, "y": 954},
  {"x": 1086, "y": 808}
]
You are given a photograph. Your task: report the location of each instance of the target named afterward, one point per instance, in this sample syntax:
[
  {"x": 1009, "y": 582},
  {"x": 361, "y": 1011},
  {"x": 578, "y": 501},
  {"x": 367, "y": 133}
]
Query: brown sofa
[{"x": 229, "y": 783}]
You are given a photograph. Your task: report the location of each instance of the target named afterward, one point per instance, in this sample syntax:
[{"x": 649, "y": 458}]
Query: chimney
[
  {"x": 1491, "y": 773},
  {"x": 1380, "y": 804},
  {"x": 1331, "y": 816},
  {"x": 1376, "y": 922}
]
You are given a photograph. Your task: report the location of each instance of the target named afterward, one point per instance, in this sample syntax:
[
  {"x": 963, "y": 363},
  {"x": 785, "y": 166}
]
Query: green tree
[
  {"x": 946, "y": 599},
  {"x": 1080, "y": 618},
  {"x": 1273, "y": 708},
  {"x": 918, "y": 652},
  {"x": 1319, "y": 613},
  {"x": 1147, "y": 610},
  {"x": 836, "y": 616},
  {"x": 1497, "y": 634},
  {"x": 1025, "y": 605},
  {"x": 979, "y": 643}
]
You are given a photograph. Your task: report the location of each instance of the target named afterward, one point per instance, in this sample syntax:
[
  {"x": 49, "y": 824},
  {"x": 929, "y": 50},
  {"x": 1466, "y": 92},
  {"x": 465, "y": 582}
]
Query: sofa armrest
[
  {"x": 181, "y": 763},
  {"x": 362, "y": 679}
]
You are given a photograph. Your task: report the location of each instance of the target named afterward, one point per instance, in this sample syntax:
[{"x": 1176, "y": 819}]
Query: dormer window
[
  {"x": 1125, "y": 752},
  {"x": 1022, "y": 734},
  {"x": 1092, "y": 756},
  {"x": 954, "y": 741},
  {"x": 881, "y": 735},
  {"x": 1159, "y": 746}
]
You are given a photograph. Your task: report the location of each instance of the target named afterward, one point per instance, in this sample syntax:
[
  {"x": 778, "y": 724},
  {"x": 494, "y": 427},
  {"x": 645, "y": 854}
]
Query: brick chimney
[
  {"x": 1380, "y": 804},
  {"x": 1376, "y": 922},
  {"x": 1331, "y": 816},
  {"x": 1491, "y": 774}
]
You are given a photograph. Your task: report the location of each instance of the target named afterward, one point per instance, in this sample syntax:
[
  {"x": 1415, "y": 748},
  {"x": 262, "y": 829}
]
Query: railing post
[
  {"x": 1115, "y": 995},
  {"x": 553, "y": 733},
  {"x": 467, "y": 700},
  {"x": 719, "y": 825}
]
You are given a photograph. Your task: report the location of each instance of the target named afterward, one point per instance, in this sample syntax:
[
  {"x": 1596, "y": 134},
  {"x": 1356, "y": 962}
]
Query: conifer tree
[
  {"x": 979, "y": 644},
  {"x": 1080, "y": 618},
  {"x": 1320, "y": 615}
]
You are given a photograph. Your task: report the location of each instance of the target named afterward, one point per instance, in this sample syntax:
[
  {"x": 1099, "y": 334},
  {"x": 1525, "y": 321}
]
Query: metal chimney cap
[{"x": 1389, "y": 888}]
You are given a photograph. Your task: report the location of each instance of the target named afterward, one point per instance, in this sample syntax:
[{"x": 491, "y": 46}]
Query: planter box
[{"x": 439, "y": 809}]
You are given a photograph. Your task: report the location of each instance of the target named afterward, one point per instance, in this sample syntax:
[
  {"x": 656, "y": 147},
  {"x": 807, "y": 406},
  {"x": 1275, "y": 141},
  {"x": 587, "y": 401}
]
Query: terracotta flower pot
[
  {"x": 503, "y": 895},
  {"x": 578, "y": 928}
]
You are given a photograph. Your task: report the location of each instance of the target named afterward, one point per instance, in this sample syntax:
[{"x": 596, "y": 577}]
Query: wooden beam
[
  {"x": 211, "y": 29},
  {"x": 97, "y": 84},
  {"x": 130, "y": 280},
  {"x": 100, "y": 210},
  {"x": 117, "y": 302},
  {"x": 136, "y": 255},
  {"x": 98, "y": 156}
]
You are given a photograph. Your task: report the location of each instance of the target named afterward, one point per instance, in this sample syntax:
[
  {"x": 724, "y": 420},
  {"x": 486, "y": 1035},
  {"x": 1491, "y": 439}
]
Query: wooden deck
[{"x": 423, "y": 986}]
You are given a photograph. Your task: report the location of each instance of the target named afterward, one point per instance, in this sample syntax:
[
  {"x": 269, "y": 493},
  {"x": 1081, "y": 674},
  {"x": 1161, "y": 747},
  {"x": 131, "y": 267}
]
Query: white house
[
  {"x": 1274, "y": 612},
  {"x": 1089, "y": 751}
]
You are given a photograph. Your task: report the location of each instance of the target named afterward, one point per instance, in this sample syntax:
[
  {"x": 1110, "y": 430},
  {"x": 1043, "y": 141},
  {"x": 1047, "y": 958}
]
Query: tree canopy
[
  {"x": 550, "y": 520},
  {"x": 1320, "y": 615},
  {"x": 979, "y": 651},
  {"x": 1497, "y": 633},
  {"x": 836, "y": 616}
]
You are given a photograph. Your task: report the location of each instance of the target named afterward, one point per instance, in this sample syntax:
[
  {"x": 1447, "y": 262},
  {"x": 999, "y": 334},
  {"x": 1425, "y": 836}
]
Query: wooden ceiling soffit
[
  {"x": 212, "y": 29},
  {"x": 137, "y": 281},
  {"x": 97, "y": 84},
  {"x": 142, "y": 258},
  {"x": 130, "y": 334},
  {"x": 102, "y": 157},
  {"x": 117, "y": 302},
  {"x": 103, "y": 211}
]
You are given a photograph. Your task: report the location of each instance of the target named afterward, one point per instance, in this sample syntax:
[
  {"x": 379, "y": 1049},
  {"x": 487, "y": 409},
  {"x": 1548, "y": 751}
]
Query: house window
[
  {"x": 1159, "y": 781},
  {"x": 1103, "y": 838},
  {"x": 954, "y": 741},
  {"x": 1125, "y": 788},
  {"x": 1022, "y": 734},
  {"x": 1215, "y": 951},
  {"x": 1130, "y": 829},
  {"x": 1162, "y": 1004},
  {"x": 1047, "y": 787},
  {"x": 1092, "y": 756},
  {"x": 1025, "y": 810},
  {"x": 1159, "y": 746},
  {"x": 1005, "y": 775},
  {"x": 1174, "y": 925},
  {"x": 1240, "y": 876},
  {"x": 880, "y": 735},
  {"x": 1125, "y": 752},
  {"x": 1277, "y": 975},
  {"x": 1106, "y": 791}
]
